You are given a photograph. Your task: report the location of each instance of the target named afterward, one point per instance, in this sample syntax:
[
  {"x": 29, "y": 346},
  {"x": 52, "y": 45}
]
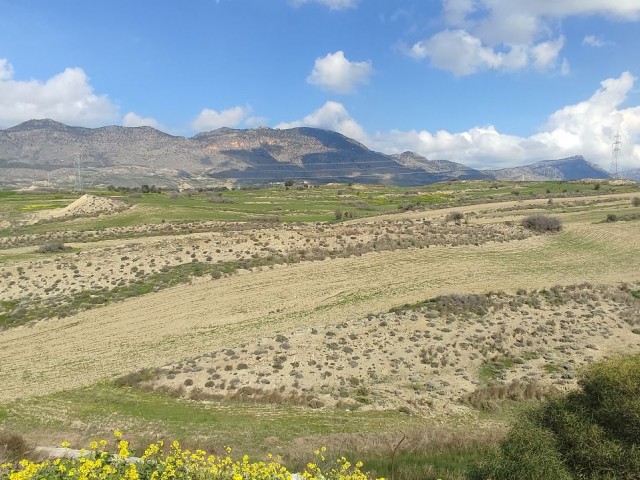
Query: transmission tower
[
  {"x": 615, "y": 156},
  {"x": 78, "y": 183}
]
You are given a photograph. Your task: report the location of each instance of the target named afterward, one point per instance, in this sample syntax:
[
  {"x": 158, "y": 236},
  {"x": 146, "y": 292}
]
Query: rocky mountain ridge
[{"x": 46, "y": 152}]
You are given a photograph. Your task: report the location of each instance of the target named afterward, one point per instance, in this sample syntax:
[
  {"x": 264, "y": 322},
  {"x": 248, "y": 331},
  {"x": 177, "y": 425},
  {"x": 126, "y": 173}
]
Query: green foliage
[{"x": 593, "y": 433}]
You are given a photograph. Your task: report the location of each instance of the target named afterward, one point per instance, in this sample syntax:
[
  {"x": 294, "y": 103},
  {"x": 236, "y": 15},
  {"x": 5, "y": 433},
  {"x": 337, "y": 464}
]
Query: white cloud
[
  {"x": 337, "y": 74},
  {"x": 131, "y": 119},
  {"x": 545, "y": 54},
  {"x": 332, "y": 4},
  {"x": 595, "y": 41},
  {"x": 457, "y": 52},
  {"x": 211, "y": 119},
  {"x": 510, "y": 34},
  {"x": 462, "y": 54},
  {"x": 585, "y": 128},
  {"x": 331, "y": 116},
  {"x": 67, "y": 97}
]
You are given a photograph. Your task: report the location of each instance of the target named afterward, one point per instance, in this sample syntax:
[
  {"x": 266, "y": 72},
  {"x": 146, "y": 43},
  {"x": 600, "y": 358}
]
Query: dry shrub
[
  {"x": 13, "y": 446},
  {"x": 635, "y": 201},
  {"x": 135, "y": 379},
  {"x": 52, "y": 247},
  {"x": 455, "y": 217},
  {"x": 487, "y": 398},
  {"x": 542, "y": 223}
]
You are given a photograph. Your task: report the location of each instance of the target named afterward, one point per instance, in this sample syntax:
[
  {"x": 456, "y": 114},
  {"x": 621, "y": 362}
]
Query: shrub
[
  {"x": 542, "y": 223},
  {"x": 12, "y": 446},
  {"x": 455, "y": 217},
  {"x": 590, "y": 433},
  {"x": 53, "y": 247},
  {"x": 612, "y": 217},
  {"x": 635, "y": 201}
]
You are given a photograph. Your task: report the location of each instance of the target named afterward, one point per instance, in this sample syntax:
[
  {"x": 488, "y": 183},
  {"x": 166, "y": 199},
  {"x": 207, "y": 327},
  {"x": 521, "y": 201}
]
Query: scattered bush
[
  {"x": 612, "y": 217},
  {"x": 542, "y": 223},
  {"x": 635, "y": 201}
]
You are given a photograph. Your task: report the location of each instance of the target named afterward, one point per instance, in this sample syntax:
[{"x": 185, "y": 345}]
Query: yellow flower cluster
[{"x": 174, "y": 463}]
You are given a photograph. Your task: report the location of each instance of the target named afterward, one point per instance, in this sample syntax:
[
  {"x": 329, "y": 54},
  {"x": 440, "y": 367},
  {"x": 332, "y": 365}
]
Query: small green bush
[{"x": 542, "y": 223}]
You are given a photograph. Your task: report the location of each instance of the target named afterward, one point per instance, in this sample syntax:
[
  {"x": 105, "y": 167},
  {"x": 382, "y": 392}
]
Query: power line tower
[
  {"x": 78, "y": 183},
  {"x": 615, "y": 156}
]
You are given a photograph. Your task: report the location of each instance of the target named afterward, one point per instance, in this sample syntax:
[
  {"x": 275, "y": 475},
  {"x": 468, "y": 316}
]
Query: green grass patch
[
  {"x": 430, "y": 464},
  {"x": 256, "y": 429},
  {"x": 492, "y": 370},
  {"x": 551, "y": 368}
]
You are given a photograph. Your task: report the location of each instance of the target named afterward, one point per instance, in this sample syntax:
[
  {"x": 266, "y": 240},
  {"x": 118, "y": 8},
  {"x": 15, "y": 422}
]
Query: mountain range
[{"x": 39, "y": 152}]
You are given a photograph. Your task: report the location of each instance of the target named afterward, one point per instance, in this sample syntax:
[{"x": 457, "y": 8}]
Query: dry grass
[{"x": 188, "y": 320}]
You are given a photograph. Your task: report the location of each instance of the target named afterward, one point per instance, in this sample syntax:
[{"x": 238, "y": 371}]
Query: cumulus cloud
[
  {"x": 336, "y": 73},
  {"x": 209, "y": 119},
  {"x": 585, "y": 128},
  {"x": 67, "y": 97},
  {"x": 332, "y": 4},
  {"x": 331, "y": 116},
  {"x": 463, "y": 54},
  {"x": 510, "y": 34},
  {"x": 132, "y": 119}
]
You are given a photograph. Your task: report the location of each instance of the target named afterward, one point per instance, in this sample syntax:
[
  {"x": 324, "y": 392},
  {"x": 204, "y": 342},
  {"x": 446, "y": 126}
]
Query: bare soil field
[{"x": 333, "y": 274}]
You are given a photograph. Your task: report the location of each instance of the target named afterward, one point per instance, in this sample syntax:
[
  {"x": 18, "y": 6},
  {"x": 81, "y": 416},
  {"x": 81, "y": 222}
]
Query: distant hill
[
  {"x": 633, "y": 174},
  {"x": 571, "y": 168},
  {"x": 45, "y": 152},
  {"x": 48, "y": 151},
  {"x": 442, "y": 168}
]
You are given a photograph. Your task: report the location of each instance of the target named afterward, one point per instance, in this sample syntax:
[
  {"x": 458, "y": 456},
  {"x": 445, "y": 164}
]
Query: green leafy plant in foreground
[{"x": 593, "y": 433}]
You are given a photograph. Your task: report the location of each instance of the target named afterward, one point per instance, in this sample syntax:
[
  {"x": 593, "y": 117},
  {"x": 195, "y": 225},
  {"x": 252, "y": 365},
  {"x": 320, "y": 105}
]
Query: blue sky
[{"x": 485, "y": 82}]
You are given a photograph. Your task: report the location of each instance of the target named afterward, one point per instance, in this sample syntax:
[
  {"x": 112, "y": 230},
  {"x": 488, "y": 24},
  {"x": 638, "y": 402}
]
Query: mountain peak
[{"x": 38, "y": 124}]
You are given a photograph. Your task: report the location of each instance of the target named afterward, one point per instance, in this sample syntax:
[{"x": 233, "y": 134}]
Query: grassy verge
[{"x": 430, "y": 450}]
